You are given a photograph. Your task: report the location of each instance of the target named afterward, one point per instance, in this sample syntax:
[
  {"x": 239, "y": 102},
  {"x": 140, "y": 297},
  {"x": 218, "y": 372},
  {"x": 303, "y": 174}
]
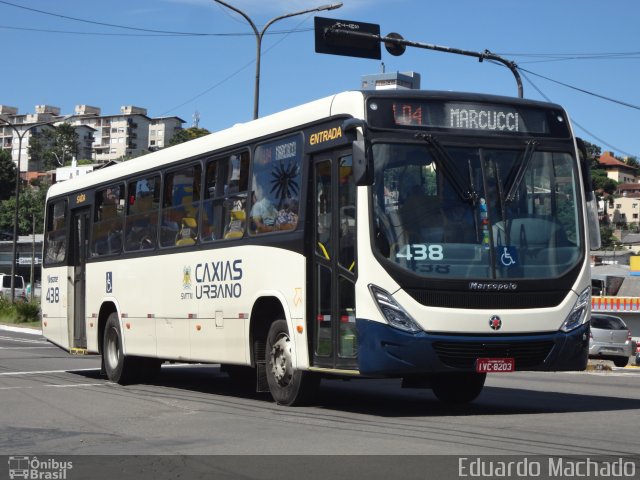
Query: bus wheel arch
[
  {"x": 106, "y": 310},
  {"x": 287, "y": 384},
  {"x": 272, "y": 351},
  {"x": 265, "y": 311}
]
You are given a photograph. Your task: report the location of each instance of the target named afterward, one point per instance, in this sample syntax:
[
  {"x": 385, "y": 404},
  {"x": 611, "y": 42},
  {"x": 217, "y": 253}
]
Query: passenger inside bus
[
  {"x": 263, "y": 214},
  {"x": 287, "y": 218},
  {"x": 142, "y": 217}
]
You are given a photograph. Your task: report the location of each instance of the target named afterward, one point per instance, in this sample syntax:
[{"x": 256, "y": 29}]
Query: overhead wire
[
  {"x": 619, "y": 102},
  {"x": 228, "y": 77},
  {"x": 109, "y": 34},
  {"x": 149, "y": 31},
  {"x": 581, "y": 127}
]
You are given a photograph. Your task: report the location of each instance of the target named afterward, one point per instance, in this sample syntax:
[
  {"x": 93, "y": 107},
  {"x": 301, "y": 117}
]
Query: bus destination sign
[{"x": 482, "y": 117}]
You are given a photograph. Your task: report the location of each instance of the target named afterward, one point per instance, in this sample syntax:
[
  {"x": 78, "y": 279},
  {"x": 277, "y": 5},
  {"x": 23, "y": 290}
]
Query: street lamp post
[
  {"x": 14, "y": 251},
  {"x": 260, "y": 33}
]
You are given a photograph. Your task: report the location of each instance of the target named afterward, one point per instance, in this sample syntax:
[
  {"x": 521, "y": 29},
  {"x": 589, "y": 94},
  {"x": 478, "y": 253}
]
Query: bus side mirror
[
  {"x": 362, "y": 164},
  {"x": 362, "y": 171},
  {"x": 593, "y": 222}
]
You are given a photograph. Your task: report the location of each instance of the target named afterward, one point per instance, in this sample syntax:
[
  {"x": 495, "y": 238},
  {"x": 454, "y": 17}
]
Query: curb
[{"x": 29, "y": 331}]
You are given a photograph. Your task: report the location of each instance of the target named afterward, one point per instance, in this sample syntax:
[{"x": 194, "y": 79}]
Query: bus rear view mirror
[
  {"x": 362, "y": 171},
  {"x": 362, "y": 166}
]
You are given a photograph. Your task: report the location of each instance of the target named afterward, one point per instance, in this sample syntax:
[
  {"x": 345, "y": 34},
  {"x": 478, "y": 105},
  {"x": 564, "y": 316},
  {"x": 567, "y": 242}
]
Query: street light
[
  {"x": 260, "y": 34},
  {"x": 21, "y": 135}
]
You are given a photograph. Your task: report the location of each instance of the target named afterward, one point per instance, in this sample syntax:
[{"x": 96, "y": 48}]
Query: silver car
[{"x": 610, "y": 339}]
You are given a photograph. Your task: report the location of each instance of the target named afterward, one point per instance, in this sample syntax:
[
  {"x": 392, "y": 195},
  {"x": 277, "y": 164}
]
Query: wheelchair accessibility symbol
[{"x": 508, "y": 256}]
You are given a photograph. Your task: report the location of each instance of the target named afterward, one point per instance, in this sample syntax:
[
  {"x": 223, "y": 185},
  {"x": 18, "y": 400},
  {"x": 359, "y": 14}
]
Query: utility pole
[{"x": 260, "y": 33}]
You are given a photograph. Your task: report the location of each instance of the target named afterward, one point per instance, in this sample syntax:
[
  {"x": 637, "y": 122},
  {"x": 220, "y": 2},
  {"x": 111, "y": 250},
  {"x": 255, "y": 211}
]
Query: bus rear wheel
[
  {"x": 287, "y": 385},
  {"x": 119, "y": 368},
  {"x": 458, "y": 387}
]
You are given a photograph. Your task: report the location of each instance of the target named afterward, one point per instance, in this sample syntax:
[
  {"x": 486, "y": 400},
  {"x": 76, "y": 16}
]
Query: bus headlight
[
  {"x": 579, "y": 311},
  {"x": 394, "y": 314}
]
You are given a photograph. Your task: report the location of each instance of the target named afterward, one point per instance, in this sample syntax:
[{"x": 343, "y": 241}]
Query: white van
[{"x": 18, "y": 285}]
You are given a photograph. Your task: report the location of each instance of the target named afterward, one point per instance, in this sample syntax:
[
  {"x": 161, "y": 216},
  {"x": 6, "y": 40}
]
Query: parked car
[
  {"x": 18, "y": 285},
  {"x": 610, "y": 339},
  {"x": 638, "y": 354}
]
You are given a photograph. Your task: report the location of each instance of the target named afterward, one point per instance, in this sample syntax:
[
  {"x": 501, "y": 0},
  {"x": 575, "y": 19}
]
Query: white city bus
[{"x": 428, "y": 236}]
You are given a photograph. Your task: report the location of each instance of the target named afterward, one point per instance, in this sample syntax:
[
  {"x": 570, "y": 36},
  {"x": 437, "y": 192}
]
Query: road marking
[
  {"x": 71, "y": 385},
  {"x": 59, "y": 385},
  {"x": 22, "y": 340},
  {"x": 42, "y": 372},
  {"x": 28, "y": 331},
  {"x": 24, "y": 348}
]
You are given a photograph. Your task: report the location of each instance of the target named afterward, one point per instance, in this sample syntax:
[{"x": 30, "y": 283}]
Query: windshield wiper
[
  {"x": 522, "y": 168},
  {"x": 444, "y": 162}
]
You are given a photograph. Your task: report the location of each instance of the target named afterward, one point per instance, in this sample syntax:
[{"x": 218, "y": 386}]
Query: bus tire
[
  {"x": 458, "y": 387},
  {"x": 287, "y": 386},
  {"x": 119, "y": 368}
]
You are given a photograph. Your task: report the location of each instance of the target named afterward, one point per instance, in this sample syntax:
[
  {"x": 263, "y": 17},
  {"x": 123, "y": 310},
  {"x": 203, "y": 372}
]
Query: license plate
[{"x": 495, "y": 365}]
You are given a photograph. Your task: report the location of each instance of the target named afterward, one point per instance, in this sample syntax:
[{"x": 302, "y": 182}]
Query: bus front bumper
[{"x": 387, "y": 351}]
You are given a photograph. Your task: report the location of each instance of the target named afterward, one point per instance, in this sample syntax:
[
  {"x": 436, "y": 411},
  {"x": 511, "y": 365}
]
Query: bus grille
[
  {"x": 464, "y": 354},
  {"x": 475, "y": 300}
]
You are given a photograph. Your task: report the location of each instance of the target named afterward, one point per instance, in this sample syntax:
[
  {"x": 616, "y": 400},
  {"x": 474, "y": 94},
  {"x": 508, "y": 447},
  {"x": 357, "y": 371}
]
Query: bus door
[
  {"x": 333, "y": 266},
  {"x": 80, "y": 227}
]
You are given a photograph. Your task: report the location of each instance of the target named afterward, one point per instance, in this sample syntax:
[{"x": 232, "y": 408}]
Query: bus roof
[
  {"x": 344, "y": 103},
  {"x": 347, "y": 103}
]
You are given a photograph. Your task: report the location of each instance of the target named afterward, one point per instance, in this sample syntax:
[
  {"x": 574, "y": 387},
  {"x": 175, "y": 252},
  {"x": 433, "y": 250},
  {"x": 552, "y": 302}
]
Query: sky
[{"x": 77, "y": 53}]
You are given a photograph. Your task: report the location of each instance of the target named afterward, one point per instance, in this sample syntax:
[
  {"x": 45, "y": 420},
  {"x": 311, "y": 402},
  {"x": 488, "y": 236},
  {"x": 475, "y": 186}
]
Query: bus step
[
  {"x": 261, "y": 377},
  {"x": 78, "y": 351}
]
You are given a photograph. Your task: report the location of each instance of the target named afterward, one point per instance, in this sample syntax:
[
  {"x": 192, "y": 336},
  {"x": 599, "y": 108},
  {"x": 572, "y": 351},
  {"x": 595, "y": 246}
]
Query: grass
[{"x": 25, "y": 314}]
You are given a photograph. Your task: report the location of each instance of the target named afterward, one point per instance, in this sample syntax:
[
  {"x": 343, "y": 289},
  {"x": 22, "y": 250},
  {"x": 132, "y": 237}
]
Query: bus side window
[
  {"x": 225, "y": 197},
  {"x": 235, "y": 199},
  {"x": 142, "y": 214},
  {"x": 55, "y": 235},
  {"x": 180, "y": 204},
  {"x": 275, "y": 185},
  {"x": 107, "y": 221}
]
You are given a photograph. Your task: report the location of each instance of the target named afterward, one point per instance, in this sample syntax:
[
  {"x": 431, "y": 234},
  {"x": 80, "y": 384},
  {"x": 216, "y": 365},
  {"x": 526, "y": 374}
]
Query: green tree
[
  {"x": 607, "y": 237},
  {"x": 632, "y": 162},
  {"x": 188, "y": 134},
  {"x": 593, "y": 154},
  {"x": 7, "y": 175},
  {"x": 602, "y": 182},
  {"x": 54, "y": 147},
  {"x": 32, "y": 202}
]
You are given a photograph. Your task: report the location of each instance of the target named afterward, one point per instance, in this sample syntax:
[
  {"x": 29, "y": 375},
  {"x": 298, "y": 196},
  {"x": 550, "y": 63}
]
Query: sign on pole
[{"x": 332, "y": 39}]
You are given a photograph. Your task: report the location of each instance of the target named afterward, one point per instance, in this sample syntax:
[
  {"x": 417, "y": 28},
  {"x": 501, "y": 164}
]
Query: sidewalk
[{"x": 13, "y": 328}]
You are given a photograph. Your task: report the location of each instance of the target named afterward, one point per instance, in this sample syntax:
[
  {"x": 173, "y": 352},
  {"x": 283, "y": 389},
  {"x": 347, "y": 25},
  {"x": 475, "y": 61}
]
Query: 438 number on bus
[
  {"x": 421, "y": 251},
  {"x": 53, "y": 295}
]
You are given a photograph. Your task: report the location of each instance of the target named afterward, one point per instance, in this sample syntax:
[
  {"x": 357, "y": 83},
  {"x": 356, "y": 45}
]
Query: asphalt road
[{"x": 59, "y": 404}]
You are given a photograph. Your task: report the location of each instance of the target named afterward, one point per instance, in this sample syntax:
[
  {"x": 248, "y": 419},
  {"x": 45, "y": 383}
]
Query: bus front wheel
[
  {"x": 287, "y": 385},
  {"x": 119, "y": 368},
  {"x": 457, "y": 387}
]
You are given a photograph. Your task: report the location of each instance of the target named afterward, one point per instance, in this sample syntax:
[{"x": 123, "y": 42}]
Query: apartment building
[
  {"x": 129, "y": 134},
  {"x": 623, "y": 210},
  {"x": 617, "y": 170},
  {"x": 28, "y": 126},
  {"x": 101, "y": 137}
]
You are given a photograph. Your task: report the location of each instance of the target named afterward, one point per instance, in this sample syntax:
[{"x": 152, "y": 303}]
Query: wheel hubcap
[{"x": 280, "y": 359}]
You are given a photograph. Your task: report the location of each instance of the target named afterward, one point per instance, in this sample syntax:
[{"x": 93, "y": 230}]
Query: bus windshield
[{"x": 477, "y": 213}]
